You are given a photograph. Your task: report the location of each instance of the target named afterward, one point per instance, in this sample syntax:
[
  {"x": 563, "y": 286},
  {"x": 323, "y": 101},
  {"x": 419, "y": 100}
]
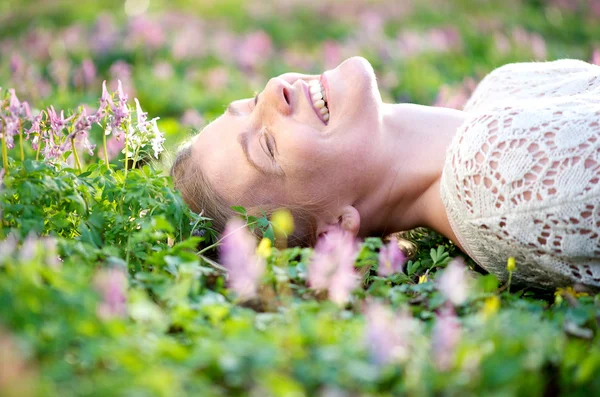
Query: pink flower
[
  {"x": 444, "y": 338},
  {"x": 192, "y": 118},
  {"x": 237, "y": 254},
  {"x": 332, "y": 265},
  {"x": 256, "y": 48},
  {"x": 391, "y": 258},
  {"x": 596, "y": 57},
  {"x": 453, "y": 282},
  {"x": 388, "y": 334},
  {"x": 111, "y": 284}
]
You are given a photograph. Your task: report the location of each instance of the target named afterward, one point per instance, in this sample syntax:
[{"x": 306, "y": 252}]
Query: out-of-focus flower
[
  {"x": 216, "y": 79},
  {"x": 238, "y": 254},
  {"x": 145, "y": 33},
  {"x": 111, "y": 284},
  {"x": 85, "y": 75},
  {"x": 9, "y": 245},
  {"x": 16, "y": 64},
  {"x": 511, "y": 264},
  {"x": 391, "y": 258},
  {"x": 264, "y": 248},
  {"x": 113, "y": 146},
  {"x": 255, "y": 49},
  {"x": 163, "y": 71},
  {"x": 332, "y": 265},
  {"x": 388, "y": 334},
  {"x": 453, "y": 282},
  {"x": 17, "y": 378},
  {"x": 60, "y": 71},
  {"x": 531, "y": 41},
  {"x": 455, "y": 97},
  {"x": 192, "y": 118},
  {"x": 596, "y": 57},
  {"x": 490, "y": 306},
  {"x": 283, "y": 222},
  {"x": 423, "y": 279},
  {"x": 332, "y": 54},
  {"x": 444, "y": 338},
  {"x": 569, "y": 291}
]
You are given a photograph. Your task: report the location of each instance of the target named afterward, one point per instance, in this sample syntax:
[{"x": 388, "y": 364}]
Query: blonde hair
[{"x": 197, "y": 191}]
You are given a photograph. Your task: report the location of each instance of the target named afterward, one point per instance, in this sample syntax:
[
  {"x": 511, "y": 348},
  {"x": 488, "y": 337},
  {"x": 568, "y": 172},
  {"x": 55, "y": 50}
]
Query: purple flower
[
  {"x": 388, "y": 334},
  {"x": 444, "y": 338},
  {"x": 254, "y": 50},
  {"x": 391, "y": 258},
  {"x": 453, "y": 282},
  {"x": 14, "y": 105},
  {"x": 85, "y": 75},
  {"x": 192, "y": 118},
  {"x": 332, "y": 265},
  {"x": 238, "y": 254},
  {"x": 35, "y": 127},
  {"x": 57, "y": 123},
  {"x": 80, "y": 134},
  {"x": 10, "y": 129},
  {"x": 16, "y": 64},
  {"x": 106, "y": 103},
  {"x": 111, "y": 284}
]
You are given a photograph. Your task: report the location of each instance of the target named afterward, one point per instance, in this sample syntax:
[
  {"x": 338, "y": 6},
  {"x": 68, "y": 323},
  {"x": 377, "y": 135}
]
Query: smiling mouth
[{"x": 319, "y": 100}]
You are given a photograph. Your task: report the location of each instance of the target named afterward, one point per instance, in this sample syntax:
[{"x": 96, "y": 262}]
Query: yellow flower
[
  {"x": 422, "y": 279},
  {"x": 264, "y": 248},
  {"x": 283, "y": 221},
  {"x": 569, "y": 291},
  {"x": 511, "y": 264},
  {"x": 490, "y": 306}
]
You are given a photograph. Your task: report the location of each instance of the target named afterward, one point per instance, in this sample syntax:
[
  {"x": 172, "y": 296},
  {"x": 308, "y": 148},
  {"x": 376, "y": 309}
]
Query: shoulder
[
  {"x": 560, "y": 65},
  {"x": 528, "y": 80}
]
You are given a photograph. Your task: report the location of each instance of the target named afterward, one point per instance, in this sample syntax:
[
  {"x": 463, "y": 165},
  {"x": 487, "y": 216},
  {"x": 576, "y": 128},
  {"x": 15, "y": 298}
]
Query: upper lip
[{"x": 310, "y": 101}]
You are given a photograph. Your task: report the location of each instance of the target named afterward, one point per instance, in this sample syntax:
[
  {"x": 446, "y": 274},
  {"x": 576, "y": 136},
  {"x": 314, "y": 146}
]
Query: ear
[{"x": 348, "y": 219}]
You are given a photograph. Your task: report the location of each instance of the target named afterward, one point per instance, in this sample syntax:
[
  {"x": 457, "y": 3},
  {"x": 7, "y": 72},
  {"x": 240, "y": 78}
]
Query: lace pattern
[{"x": 522, "y": 174}]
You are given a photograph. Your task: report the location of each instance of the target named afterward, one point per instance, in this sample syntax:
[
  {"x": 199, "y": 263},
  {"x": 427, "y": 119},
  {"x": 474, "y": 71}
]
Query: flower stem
[
  {"x": 126, "y": 152},
  {"x": 4, "y": 150},
  {"x": 509, "y": 280},
  {"x": 76, "y": 155},
  {"x": 37, "y": 152},
  {"x": 21, "y": 141},
  {"x": 105, "y": 151}
]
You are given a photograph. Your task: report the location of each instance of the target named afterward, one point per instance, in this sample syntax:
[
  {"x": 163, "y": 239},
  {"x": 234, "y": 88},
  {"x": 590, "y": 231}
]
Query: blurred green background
[{"x": 185, "y": 60}]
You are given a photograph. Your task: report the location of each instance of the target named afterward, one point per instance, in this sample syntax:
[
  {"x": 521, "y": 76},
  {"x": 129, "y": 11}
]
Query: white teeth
[{"x": 318, "y": 96}]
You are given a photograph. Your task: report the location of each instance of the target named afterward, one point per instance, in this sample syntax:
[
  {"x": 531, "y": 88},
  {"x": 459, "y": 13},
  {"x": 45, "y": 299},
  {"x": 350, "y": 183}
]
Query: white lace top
[{"x": 521, "y": 176}]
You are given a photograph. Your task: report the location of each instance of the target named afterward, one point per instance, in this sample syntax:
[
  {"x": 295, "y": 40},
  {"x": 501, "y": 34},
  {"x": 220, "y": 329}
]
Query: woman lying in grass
[{"x": 516, "y": 173}]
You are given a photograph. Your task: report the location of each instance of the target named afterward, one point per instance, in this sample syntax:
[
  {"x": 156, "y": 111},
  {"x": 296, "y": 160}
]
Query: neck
[{"x": 414, "y": 139}]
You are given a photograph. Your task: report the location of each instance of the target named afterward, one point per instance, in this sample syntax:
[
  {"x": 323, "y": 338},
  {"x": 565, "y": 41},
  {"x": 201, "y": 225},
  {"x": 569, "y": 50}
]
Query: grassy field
[{"x": 110, "y": 285}]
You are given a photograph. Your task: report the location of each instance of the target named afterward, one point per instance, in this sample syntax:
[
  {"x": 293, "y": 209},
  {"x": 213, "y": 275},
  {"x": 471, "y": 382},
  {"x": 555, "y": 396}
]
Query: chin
[{"x": 353, "y": 83}]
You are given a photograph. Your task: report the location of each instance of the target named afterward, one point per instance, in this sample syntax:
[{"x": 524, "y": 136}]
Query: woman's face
[{"x": 277, "y": 148}]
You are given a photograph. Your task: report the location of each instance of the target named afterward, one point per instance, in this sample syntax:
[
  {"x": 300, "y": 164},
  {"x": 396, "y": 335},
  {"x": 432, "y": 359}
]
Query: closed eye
[{"x": 269, "y": 146}]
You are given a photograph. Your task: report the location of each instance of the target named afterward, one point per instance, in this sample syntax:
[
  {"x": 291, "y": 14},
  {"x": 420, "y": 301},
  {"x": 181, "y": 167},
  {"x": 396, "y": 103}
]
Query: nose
[{"x": 278, "y": 94}]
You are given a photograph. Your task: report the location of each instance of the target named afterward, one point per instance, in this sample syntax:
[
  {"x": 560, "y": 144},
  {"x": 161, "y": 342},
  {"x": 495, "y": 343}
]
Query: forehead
[{"x": 217, "y": 151}]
